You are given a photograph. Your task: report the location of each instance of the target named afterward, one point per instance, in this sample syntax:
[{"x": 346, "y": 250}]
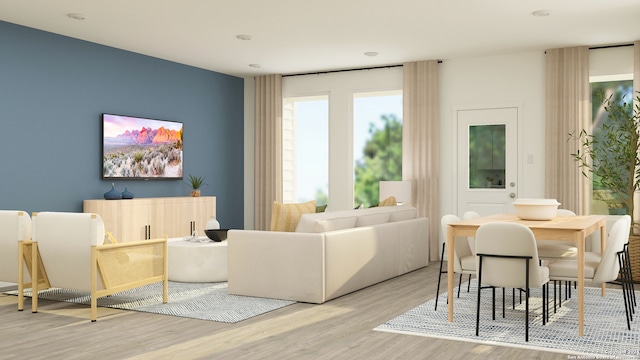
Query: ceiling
[{"x": 298, "y": 36}]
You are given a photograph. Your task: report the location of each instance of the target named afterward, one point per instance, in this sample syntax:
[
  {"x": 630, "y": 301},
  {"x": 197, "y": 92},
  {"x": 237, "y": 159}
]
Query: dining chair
[
  {"x": 599, "y": 267},
  {"x": 467, "y": 216},
  {"x": 464, "y": 262},
  {"x": 507, "y": 256},
  {"x": 551, "y": 249}
]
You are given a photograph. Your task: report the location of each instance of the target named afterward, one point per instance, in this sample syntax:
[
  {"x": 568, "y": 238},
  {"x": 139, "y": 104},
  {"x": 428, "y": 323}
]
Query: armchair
[{"x": 74, "y": 257}]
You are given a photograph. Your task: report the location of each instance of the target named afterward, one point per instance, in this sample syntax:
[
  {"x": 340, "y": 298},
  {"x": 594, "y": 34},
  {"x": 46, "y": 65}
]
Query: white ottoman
[{"x": 196, "y": 261}]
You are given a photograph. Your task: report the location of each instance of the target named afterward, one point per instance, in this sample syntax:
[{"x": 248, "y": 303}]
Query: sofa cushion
[
  {"x": 285, "y": 217},
  {"x": 373, "y": 219},
  {"x": 403, "y": 212},
  {"x": 334, "y": 224}
]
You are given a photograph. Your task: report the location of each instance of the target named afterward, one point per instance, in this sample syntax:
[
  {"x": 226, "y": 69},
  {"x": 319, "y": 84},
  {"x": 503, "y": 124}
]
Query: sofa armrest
[{"x": 280, "y": 265}]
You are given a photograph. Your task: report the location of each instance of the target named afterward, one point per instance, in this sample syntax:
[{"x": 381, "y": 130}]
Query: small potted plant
[{"x": 196, "y": 182}]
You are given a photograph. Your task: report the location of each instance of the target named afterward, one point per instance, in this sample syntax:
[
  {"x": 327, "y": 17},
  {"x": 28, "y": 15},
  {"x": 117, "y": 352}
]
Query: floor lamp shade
[{"x": 401, "y": 190}]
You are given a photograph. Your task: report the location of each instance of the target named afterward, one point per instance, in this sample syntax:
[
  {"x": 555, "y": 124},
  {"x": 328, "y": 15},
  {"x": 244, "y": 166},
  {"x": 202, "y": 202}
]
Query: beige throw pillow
[
  {"x": 285, "y": 217},
  {"x": 390, "y": 201}
]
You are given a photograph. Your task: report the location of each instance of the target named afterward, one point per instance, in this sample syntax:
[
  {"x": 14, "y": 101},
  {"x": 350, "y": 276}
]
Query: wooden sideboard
[{"x": 149, "y": 218}]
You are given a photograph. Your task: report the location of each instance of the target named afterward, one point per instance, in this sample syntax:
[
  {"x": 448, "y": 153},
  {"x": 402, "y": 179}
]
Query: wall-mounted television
[{"x": 141, "y": 148}]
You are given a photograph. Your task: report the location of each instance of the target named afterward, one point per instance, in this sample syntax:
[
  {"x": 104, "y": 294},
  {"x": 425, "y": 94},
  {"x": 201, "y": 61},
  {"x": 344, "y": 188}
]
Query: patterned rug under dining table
[{"x": 563, "y": 228}]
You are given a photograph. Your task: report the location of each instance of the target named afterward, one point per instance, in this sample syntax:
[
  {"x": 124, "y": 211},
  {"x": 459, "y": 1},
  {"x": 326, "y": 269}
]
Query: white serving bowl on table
[{"x": 536, "y": 209}]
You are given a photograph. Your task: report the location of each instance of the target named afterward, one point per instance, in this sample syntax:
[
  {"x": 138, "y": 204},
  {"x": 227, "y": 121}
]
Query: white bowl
[{"x": 536, "y": 209}]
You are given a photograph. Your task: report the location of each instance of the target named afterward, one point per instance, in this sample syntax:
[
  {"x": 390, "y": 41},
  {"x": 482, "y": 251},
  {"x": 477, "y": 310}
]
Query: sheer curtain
[
  {"x": 268, "y": 148},
  {"x": 420, "y": 142},
  {"x": 568, "y": 110},
  {"x": 636, "y": 68}
]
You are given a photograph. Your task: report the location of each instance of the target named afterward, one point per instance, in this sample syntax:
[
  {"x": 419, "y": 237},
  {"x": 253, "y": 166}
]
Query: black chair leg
[
  {"x": 503, "y": 297},
  {"x": 459, "y": 284},
  {"x": 633, "y": 287},
  {"x": 439, "y": 276},
  {"x": 479, "y": 292},
  {"x": 624, "y": 290}
]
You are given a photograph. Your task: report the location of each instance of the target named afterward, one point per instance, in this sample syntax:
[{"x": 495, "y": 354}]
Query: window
[
  {"x": 305, "y": 126},
  {"x": 604, "y": 200},
  {"x": 377, "y": 143}
]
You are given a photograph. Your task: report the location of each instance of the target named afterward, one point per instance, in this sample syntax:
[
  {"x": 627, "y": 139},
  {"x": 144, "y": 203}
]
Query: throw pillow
[
  {"x": 285, "y": 217},
  {"x": 390, "y": 201},
  {"x": 321, "y": 208}
]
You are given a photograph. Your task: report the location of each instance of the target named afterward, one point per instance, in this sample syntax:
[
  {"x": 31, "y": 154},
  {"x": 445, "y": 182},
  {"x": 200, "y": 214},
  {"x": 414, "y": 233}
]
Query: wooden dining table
[{"x": 561, "y": 228}]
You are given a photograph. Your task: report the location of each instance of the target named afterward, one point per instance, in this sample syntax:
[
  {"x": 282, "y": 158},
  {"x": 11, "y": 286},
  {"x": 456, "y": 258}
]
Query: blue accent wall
[{"x": 53, "y": 90}]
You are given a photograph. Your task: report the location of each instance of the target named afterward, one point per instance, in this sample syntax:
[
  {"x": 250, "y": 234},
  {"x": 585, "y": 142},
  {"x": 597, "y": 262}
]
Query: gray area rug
[
  {"x": 205, "y": 301},
  {"x": 605, "y": 327}
]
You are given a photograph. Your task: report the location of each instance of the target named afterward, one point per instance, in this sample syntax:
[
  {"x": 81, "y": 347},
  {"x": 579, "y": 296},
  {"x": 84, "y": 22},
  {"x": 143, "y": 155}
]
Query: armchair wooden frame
[{"x": 114, "y": 268}]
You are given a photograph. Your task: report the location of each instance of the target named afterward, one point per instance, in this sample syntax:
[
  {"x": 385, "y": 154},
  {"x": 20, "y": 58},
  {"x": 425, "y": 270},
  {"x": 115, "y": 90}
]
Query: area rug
[
  {"x": 206, "y": 301},
  {"x": 605, "y": 327}
]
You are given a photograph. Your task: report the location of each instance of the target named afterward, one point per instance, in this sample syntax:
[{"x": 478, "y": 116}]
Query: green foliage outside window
[{"x": 381, "y": 160}]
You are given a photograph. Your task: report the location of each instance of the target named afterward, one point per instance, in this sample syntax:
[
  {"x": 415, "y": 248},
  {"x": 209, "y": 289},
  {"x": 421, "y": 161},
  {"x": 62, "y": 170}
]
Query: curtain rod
[
  {"x": 344, "y": 70},
  {"x": 609, "y": 46}
]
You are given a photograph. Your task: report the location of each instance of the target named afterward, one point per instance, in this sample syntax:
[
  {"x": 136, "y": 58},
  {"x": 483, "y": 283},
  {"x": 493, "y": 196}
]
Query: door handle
[{"x": 512, "y": 195}]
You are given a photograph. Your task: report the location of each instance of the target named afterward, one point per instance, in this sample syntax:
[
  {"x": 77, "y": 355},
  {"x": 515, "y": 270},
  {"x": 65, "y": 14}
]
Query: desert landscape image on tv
[{"x": 141, "y": 148}]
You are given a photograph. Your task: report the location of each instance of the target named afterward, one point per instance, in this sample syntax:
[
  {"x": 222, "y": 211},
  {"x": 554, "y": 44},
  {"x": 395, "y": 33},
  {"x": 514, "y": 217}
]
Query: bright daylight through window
[
  {"x": 377, "y": 143},
  {"x": 305, "y": 137}
]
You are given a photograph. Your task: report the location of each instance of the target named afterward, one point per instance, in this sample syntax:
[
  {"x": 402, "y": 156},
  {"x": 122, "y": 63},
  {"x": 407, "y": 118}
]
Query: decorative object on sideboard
[
  {"x": 112, "y": 194},
  {"x": 126, "y": 194},
  {"x": 196, "y": 182}
]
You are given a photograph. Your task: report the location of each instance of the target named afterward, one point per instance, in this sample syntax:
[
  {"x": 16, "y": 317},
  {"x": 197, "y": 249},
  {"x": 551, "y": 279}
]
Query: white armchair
[
  {"x": 15, "y": 246},
  {"x": 15, "y": 226},
  {"x": 74, "y": 257}
]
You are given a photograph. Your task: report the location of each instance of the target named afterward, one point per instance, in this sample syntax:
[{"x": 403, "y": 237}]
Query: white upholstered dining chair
[
  {"x": 552, "y": 249},
  {"x": 464, "y": 262},
  {"x": 508, "y": 258},
  {"x": 599, "y": 267}
]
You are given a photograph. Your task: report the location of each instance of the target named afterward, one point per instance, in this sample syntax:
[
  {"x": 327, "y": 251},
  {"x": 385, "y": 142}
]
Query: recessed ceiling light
[
  {"x": 243, "y": 37},
  {"x": 541, "y": 13},
  {"x": 257, "y": 66},
  {"x": 76, "y": 16},
  {"x": 371, "y": 53}
]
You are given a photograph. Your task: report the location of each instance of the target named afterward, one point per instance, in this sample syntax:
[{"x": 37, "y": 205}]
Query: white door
[{"x": 487, "y": 179}]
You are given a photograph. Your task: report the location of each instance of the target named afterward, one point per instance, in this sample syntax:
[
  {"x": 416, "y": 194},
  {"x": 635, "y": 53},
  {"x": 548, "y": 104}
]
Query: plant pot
[{"x": 194, "y": 193}]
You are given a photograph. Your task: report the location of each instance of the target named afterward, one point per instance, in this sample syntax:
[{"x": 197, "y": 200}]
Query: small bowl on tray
[{"x": 217, "y": 235}]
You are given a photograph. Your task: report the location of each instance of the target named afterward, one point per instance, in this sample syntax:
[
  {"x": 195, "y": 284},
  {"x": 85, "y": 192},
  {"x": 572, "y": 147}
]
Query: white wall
[
  {"x": 516, "y": 79},
  {"x": 482, "y": 81}
]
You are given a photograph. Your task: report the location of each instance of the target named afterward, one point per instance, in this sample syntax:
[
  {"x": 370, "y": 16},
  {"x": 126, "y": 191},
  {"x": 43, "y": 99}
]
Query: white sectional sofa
[{"x": 329, "y": 255}]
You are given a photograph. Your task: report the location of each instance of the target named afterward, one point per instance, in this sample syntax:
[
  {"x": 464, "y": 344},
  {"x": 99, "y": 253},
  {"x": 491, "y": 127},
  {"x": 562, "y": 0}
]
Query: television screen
[{"x": 141, "y": 148}]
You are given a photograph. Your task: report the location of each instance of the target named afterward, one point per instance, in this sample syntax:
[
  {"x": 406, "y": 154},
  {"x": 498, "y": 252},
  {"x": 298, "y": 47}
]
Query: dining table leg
[
  {"x": 603, "y": 245},
  {"x": 450, "y": 256},
  {"x": 580, "y": 239}
]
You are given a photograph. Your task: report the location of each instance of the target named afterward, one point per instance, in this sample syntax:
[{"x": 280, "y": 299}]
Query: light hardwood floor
[{"x": 338, "y": 329}]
